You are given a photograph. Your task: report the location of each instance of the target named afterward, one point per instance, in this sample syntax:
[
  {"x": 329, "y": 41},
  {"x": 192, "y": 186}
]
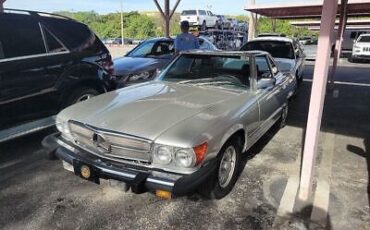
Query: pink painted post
[
  {"x": 329, "y": 11},
  {"x": 2, "y": 5},
  {"x": 338, "y": 44}
]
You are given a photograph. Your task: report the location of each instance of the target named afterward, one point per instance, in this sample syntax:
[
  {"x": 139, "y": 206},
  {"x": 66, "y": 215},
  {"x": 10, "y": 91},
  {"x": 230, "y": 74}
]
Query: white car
[
  {"x": 361, "y": 48},
  {"x": 287, "y": 53},
  {"x": 201, "y": 18}
]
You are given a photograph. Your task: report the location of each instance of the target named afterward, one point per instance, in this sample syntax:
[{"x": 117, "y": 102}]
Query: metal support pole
[
  {"x": 338, "y": 43},
  {"x": 252, "y": 23},
  {"x": 167, "y": 18},
  {"x": 123, "y": 40},
  {"x": 2, "y": 5},
  {"x": 329, "y": 11}
]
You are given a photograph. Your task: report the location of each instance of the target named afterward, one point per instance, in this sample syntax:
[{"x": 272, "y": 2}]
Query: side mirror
[{"x": 265, "y": 83}]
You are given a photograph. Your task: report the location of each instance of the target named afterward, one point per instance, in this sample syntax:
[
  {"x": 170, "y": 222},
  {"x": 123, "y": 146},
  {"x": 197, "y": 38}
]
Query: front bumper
[
  {"x": 139, "y": 179},
  {"x": 361, "y": 56}
]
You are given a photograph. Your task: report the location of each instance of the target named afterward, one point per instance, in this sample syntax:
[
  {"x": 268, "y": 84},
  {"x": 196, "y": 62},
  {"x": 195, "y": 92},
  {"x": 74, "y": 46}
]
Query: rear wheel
[
  {"x": 224, "y": 177},
  {"x": 281, "y": 123}
]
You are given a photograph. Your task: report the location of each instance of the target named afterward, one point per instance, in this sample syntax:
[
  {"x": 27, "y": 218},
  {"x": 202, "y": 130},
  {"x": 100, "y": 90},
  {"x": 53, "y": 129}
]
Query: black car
[
  {"x": 141, "y": 63},
  {"x": 47, "y": 62}
]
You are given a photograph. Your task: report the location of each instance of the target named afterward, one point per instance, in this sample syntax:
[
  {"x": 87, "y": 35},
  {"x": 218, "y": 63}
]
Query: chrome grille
[
  {"x": 110, "y": 144},
  {"x": 366, "y": 49}
]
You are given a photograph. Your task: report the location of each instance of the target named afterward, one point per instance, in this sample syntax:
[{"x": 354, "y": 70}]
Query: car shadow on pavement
[
  {"x": 257, "y": 147},
  {"x": 366, "y": 154}
]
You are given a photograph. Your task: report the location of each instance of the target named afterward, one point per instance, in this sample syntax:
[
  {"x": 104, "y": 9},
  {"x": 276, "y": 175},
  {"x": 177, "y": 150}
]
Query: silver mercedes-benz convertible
[{"x": 180, "y": 133}]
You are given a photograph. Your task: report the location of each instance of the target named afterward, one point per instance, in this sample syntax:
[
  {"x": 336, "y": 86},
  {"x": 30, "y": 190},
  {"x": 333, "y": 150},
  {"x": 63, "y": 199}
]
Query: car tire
[
  {"x": 281, "y": 123},
  {"x": 299, "y": 79},
  {"x": 204, "y": 26},
  {"x": 223, "y": 179},
  {"x": 81, "y": 94}
]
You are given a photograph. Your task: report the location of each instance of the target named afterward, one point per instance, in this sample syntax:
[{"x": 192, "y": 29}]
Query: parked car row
[
  {"x": 204, "y": 19},
  {"x": 180, "y": 124},
  {"x": 117, "y": 41}
]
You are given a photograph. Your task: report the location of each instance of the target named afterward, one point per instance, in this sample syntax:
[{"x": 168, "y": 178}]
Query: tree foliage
[
  {"x": 135, "y": 25},
  {"x": 150, "y": 24}
]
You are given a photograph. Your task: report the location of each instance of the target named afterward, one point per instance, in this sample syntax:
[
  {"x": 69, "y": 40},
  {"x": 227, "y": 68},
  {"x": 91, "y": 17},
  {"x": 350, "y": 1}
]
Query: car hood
[
  {"x": 148, "y": 109},
  {"x": 128, "y": 65},
  {"x": 285, "y": 64}
]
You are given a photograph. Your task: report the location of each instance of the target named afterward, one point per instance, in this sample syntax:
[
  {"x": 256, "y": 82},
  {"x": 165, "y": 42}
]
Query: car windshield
[
  {"x": 278, "y": 49},
  {"x": 364, "y": 39},
  {"x": 158, "y": 49},
  {"x": 189, "y": 12},
  {"x": 212, "y": 71}
]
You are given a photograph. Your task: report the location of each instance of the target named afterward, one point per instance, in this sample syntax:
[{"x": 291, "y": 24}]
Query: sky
[{"x": 228, "y": 7}]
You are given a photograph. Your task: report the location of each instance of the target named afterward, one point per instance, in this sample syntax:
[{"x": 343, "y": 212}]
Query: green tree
[{"x": 139, "y": 26}]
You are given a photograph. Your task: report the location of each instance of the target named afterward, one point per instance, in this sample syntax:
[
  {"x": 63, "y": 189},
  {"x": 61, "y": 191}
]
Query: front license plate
[{"x": 86, "y": 171}]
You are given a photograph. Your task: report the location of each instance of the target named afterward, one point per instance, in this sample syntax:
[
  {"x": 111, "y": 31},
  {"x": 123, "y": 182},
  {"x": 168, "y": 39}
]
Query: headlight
[
  {"x": 163, "y": 155},
  {"x": 356, "y": 47},
  {"x": 179, "y": 157},
  {"x": 185, "y": 158},
  {"x": 144, "y": 75}
]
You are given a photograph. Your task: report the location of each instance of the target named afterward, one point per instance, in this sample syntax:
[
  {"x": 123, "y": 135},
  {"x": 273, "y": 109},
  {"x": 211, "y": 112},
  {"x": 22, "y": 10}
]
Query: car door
[
  {"x": 299, "y": 58},
  {"x": 268, "y": 97},
  {"x": 26, "y": 83}
]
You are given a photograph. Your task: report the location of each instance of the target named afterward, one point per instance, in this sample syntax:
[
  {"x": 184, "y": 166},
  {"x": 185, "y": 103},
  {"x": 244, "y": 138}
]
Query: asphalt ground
[{"x": 39, "y": 194}]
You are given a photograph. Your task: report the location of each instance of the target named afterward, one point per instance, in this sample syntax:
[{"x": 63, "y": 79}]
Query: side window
[
  {"x": 71, "y": 33},
  {"x": 262, "y": 68},
  {"x": 24, "y": 39},
  {"x": 202, "y": 12},
  {"x": 53, "y": 45},
  {"x": 163, "y": 48}
]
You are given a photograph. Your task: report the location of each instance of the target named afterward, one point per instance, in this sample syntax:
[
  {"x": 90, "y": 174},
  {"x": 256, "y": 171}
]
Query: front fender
[{"x": 231, "y": 131}]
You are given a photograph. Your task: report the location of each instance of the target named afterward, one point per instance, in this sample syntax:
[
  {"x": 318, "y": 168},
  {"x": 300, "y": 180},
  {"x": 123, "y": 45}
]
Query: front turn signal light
[
  {"x": 166, "y": 195},
  {"x": 200, "y": 152}
]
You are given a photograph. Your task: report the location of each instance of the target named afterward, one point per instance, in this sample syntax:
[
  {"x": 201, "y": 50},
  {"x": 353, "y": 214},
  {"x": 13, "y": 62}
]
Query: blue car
[{"x": 141, "y": 63}]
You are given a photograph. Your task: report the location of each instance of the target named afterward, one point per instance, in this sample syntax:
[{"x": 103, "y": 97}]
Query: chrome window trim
[
  {"x": 33, "y": 56},
  {"x": 43, "y": 27}
]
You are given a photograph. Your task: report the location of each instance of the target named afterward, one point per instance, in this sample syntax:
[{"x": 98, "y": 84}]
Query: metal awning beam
[{"x": 307, "y": 10}]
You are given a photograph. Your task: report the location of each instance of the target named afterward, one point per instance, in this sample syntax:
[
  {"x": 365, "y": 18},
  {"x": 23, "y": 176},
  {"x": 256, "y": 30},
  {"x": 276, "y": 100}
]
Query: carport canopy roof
[{"x": 306, "y": 10}]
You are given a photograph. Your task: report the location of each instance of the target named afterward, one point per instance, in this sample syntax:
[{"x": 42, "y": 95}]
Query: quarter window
[
  {"x": 20, "y": 38},
  {"x": 54, "y": 46}
]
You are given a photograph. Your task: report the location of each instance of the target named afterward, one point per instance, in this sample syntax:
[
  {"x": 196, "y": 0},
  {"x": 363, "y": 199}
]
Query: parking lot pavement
[
  {"x": 346, "y": 71},
  {"x": 118, "y": 51},
  {"x": 40, "y": 194}
]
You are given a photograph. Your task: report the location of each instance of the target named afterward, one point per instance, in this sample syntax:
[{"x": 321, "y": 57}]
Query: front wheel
[
  {"x": 81, "y": 94},
  {"x": 224, "y": 178}
]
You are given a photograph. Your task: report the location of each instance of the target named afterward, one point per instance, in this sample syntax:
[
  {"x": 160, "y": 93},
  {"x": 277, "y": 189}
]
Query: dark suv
[{"x": 47, "y": 62}]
